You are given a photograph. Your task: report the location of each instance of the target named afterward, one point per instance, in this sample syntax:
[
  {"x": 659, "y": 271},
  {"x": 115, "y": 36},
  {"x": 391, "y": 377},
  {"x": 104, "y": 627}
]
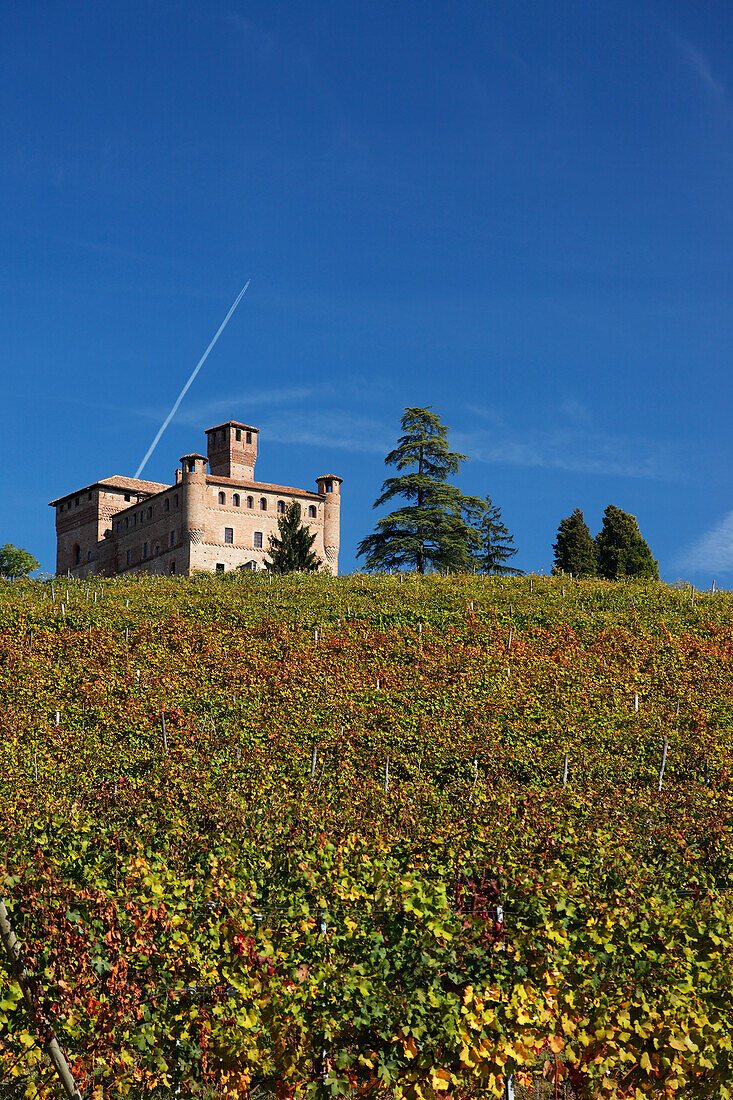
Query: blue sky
[{"x": 518, "y": 213}]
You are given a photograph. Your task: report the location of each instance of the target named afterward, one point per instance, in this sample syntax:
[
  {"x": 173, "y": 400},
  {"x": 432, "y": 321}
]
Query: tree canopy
[
  {"x": 575, "y": 548},
  {"x": 292, "y": 552},
  {"x": 15, "y": 562},
  {"x": 432, "y": 529},
  {"x": 496, "y": 544},
  {"x": 620, "y": 549}
]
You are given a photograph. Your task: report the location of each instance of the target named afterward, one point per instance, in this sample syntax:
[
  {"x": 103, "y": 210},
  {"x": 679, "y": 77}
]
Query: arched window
[
  {"x": 281, "y": 506},
  {"x": 250, "y": 502},
  {"x": 312, "y": 511},
  {"x": 77, "y": 554},
  {"x": 222, "y": 498},
  {"x": 263, "y": 504},
  {"x": 235, "y": 500}
]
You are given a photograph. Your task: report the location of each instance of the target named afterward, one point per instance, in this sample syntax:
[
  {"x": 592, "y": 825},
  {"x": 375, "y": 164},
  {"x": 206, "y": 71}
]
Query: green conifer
[
  {"x": 575, "y": 549},
  {"x": 431, "y": 529},
  {"x": 621, "y": 550},
  {"x": 292, "y": 552},
  {"x": 496, "y": 544}
]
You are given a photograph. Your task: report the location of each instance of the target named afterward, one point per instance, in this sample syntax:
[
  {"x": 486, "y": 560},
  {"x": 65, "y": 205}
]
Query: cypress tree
[
  {"x": 292, "y": 552},
  {"x": 431, "y": 530},
  {"x": 575, "y": 549},
  {"x": 620, "y": 549}
]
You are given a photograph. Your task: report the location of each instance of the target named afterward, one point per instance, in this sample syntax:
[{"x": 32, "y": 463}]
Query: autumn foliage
[{"x": 230, "y": 912}]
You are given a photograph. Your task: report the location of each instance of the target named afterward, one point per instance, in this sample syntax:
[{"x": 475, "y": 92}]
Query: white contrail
[{"x": 185, "y": 389}]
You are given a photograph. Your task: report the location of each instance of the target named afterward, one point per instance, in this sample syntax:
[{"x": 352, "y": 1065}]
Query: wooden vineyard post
[
  {"x": 664, "y": 764},
  {"x": 49, "y": 1042},
  {"x": 509, "y": 1088},
  {"x": 565, "y": 771},
  {"x": 475, "y": 779}
]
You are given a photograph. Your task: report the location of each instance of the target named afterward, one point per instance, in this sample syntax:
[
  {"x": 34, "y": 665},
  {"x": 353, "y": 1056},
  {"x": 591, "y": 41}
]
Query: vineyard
[{"x": 399, "y": 836}]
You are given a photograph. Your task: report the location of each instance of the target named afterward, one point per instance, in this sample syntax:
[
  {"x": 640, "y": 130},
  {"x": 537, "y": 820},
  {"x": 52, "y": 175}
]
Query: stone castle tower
[{"x": 215, "y": 519}]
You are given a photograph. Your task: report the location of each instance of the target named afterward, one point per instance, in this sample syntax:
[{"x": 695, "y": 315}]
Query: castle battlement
[{"x": 218, "y": 518}]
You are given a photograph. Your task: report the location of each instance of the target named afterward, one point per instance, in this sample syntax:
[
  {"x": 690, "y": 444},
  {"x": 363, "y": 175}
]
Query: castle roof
[
  {"x": 232, "y": 424},
  {"x": 117, "y": 481},
  {"x": 238, "y": 483}
]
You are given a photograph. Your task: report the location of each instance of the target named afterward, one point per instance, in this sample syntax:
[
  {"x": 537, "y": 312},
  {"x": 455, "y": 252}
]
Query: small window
[
  {"x": 89, "y": 555},
  {"x": 157, "y": 549},
  {"x": 263, "y": 504},
  {"x": 172, "y": 566},
  {"x": 222, "y": 498},
  {"x": 89, "y": 496},
  {"x": 235, "y": 500},
  {"x": 117, "y": 527},
  {"x": 127, "y": 522},
  {"x": 173, "y": 538},
  {"x": 328, "y": 486},
  {"x": 312, "y": 511},
  {"x": 127, "y": 496},
  {"x": 258, "y": 539},
  {"x": 238, "y": 435},
  {"x": 145, "y": 550},
  {"x": 220, "y": 567},
  {"x": 134, "y": 519},
  {"x": 249, "y": 437},
  {"x": 150, "y": 513},
  {"x": 167, "y": 505},
  {"x": 76, "y": 501},
  {"x": 77, "y": 554},
  {"x": 250, "y": 502},
  {"x": 128, "y": 557},
  {"x": 281, "y": 506},
  {"x": 228, "y": 534},
  {"x": 175, "y": 501}
]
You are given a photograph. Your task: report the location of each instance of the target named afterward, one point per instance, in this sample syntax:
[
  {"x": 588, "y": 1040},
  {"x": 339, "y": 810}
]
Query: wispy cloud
[
  {"x": 698, "y": 63},
  {"x": 331, "y": 428},
  {"x": 574, "y": 447},
  {"x": 576, "y": 410},
  {"x": 263, "y": 39},
  {"x": 713, "y": 551},
  {"x": 239, "y": 404}
]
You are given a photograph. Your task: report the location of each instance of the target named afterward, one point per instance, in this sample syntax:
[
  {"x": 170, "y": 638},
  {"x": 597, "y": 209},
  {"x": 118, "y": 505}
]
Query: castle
[{"x": 218, "y": 520}]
